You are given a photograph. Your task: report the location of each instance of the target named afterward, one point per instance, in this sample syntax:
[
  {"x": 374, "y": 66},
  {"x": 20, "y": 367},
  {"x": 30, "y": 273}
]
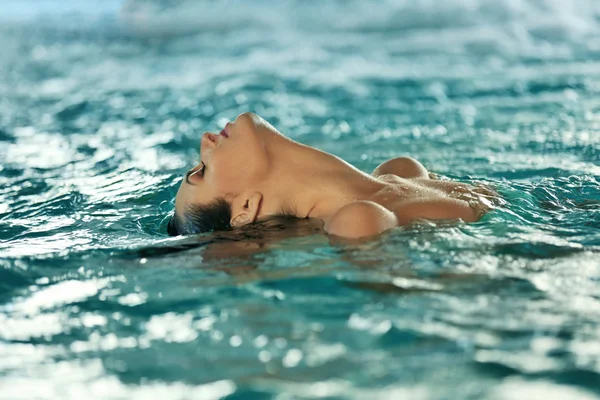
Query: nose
[{"x": 209, "y": 141}]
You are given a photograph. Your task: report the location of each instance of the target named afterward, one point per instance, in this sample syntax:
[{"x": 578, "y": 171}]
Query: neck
[{"x": 309, "y": 183}]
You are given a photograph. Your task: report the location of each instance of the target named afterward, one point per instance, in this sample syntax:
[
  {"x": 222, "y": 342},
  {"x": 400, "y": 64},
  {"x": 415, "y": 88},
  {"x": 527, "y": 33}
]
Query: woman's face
[{"x": 231, "y": 162}]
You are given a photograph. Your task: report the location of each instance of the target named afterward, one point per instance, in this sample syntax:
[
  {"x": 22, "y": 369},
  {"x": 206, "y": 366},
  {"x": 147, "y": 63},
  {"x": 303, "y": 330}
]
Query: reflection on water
[{"x": 101, "y": 111}]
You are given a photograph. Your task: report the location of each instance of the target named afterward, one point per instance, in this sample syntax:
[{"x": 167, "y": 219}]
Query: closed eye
[{"x": 195, "y": 171}]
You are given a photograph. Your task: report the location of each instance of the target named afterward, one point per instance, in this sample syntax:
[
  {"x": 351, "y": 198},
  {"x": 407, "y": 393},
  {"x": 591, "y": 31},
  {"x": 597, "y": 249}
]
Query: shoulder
[
  {"x": 360, "y": 219},
  {"x": 404, "y": 167}
]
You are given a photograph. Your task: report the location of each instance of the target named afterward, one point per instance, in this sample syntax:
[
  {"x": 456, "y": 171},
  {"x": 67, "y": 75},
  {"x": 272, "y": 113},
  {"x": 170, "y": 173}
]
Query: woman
[{"x": 250, "y": 171}]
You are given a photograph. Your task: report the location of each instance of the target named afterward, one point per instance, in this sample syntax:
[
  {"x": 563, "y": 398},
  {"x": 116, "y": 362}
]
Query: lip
[{"x": 225, "y": 131}]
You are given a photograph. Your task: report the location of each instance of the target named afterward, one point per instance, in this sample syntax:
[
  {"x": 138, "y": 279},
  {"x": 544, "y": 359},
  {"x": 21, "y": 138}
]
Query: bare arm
[
  {"x": 361, "y": 219},
  {"x": 435, "y": 209},
  {"x": 366, "y": 218}
]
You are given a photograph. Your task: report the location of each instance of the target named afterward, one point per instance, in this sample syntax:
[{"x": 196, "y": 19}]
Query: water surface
[{"x": 101, "y": 111}]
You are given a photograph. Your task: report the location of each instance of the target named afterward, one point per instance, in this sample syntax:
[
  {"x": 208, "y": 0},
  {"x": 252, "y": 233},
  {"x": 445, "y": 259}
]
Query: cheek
[{"x": 234, "y": 171}]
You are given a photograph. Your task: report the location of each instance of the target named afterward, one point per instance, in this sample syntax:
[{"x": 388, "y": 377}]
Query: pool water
[{"x": 101, "y": 111}]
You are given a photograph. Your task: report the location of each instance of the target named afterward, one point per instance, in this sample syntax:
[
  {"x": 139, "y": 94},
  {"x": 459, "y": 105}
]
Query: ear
[{"x": 244, "y": 208}]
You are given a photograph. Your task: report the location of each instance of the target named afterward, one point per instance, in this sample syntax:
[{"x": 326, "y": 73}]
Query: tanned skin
[{"x": 263, "y": 173}]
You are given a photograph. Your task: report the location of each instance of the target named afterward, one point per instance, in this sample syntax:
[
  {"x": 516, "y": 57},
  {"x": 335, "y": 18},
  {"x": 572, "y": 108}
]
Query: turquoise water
[{"x": 100, "y": 115}]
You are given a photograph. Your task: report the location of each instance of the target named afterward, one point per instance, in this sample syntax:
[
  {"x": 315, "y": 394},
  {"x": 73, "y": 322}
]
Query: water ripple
[{"x": 99, "y": 116}]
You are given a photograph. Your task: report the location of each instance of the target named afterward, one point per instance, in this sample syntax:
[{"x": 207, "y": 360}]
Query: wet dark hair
[{"x": 214, "y": 216}]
